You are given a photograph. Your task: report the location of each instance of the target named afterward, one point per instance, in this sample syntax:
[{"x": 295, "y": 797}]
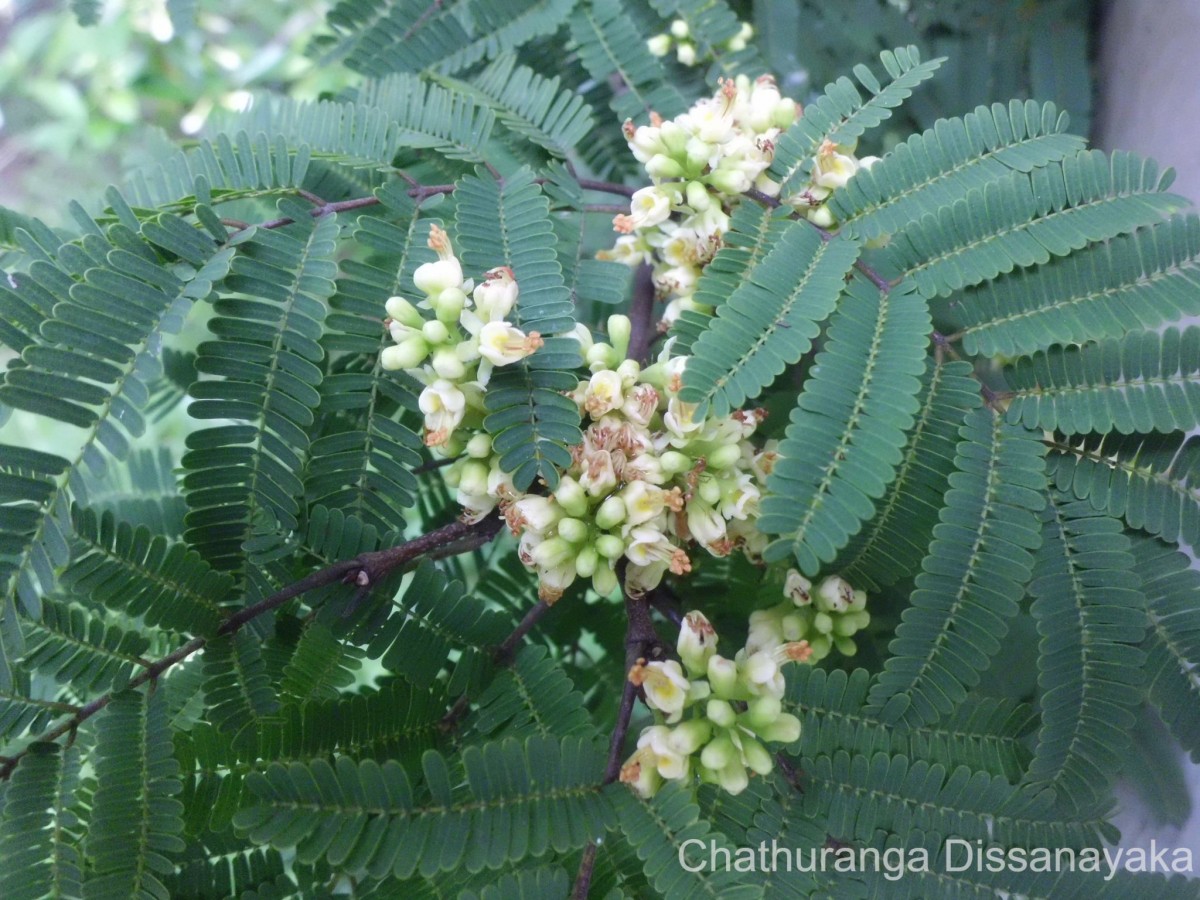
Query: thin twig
[
  {"x": 503, "y": 654},
  {"x": 641, "y": 315},
  {"x": 364, "y": 571},
  {"x": 605, "y": 187}
]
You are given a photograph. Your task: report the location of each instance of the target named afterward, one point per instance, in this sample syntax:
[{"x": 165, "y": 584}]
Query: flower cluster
[
  {"x": 679, "y": 37},
  {"x": 648, "y": 480},
  {"x": 700, "y": 164},
  {"x": 454, "y": 352},
  {"x": 714, "y": 715},
  {"x": 826, "y": 617}
]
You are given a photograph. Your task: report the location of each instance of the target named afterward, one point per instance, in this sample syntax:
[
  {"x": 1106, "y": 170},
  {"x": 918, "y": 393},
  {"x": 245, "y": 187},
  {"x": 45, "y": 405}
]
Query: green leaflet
[
  {"x": 769, "y": 321},
  {"x": 973, "y": 576},
  {"x": 532, "y": 423},
  {"x": 1172, "y": 642},
  {"x": 385, "y": 828},
  {"x": 891, "y": 544},
  {"x": 1091, "y": 616},
  {"x": 844, "y": 441},
  {"x": 1106, "y": 290},
  {"x": 1147, "y": 480},
  {"x": 133, "y": 832},
  {"x": 933, "y": 169},
  {"x": 841, "y": 114},
  {"x": 39, "y": 831},
  {"x": 1025, "y": 219},
  {"x": 1143, "y": 382}
]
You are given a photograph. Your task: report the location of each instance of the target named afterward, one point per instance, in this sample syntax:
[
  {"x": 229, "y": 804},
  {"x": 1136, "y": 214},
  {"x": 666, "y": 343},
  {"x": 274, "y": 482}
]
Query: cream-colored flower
[
  {"x": 603, "y": 394},
  {"x": 496, "y": 295},
  {"x": 665, "y": 686},
  {"x": 649, "y": 206},
  {"x": 797, "y": 588},
  {"x": 697, "y": 642},
  {"x": 434, "y": 277},
  {"x": 834, "y": 594},
  {"x": 502, "y": 344},
  {"x": 444, "y": 406},
  {"x": 647, "y": 546},
  {"x": 832, "y": 169}
]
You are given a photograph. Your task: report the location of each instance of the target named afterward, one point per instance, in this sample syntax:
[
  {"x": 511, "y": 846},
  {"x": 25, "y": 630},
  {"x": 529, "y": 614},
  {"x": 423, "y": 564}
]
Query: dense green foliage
[{"x": 978, "y": 414}]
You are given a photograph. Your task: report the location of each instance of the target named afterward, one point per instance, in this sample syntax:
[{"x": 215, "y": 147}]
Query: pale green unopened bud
[
  {"x": 673, "y": 462},
  {"x": 845, "y": 646},
  {"x": 587, "y": 561},
  {"x": 571, "y": 496},
  {"x": 724, "y": 457},
  {"x": 756, "y": 756},
  {"x": 733, "y": 778},
  {"x": 823, "y": 622},
  {"x": 448, "y": 365},
  {"x": 794, "y": 626},
  {"x": 619, "y": 330},
  {"x": 435, "y": 332},
  {"x": 709, "y": 490},
  {"x": 480, "y": 446},
  {"x": 821, "y": 216},
  {"x": 821, "y": 644},
  {"x": 407, "y": 355},
  {"x": 784, "y": 730},
  {"x": 610, "y": 546},
  {"x": 604, "y": 582},
  {"x": 720, "y": 713},
  {"x": 844, "y": 626},
  {"x": 690, "y": 736},
  {"x": 858, "y": 601},
  {"x": 473, "y": 478},
  {"x": 552, "y": 552},
  {"x": 723, "y": 676},
  {"x": 762, "y": 711},
  {"x": 729, "y": 181},
  {"x": 404, "y": 312},
  {"x": 659, "y": 45},
  {"x": 698, "y": 197},
  {"x": 449, "y": 305},
  {"x": 662, "y": 166},
  {"x": 573, "y": 530},
  {"x": 599, "y": 352},
  {"x": 610, "y": 513},
  {"x": 719, "y": 752},
  {"x": 679, "y": 28}
]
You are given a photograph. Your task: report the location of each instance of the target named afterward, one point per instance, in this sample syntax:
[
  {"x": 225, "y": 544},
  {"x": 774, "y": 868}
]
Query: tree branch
[
  {"x": 364, "y": 570},
  {"x": 641, "y": 643},
  {"x": 641, "y": 315}
]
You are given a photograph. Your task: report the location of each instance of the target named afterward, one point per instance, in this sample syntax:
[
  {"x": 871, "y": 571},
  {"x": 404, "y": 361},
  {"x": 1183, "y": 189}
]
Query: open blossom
[
  {"x": 446, "y": 272},
  {"x": 444, "y": 406},
  {"x": 603, "y": 394},
  {"x": 501, "y": 343},
  {"x": 665, "y": 685},
  {"x": 496, "y": 295},
  {"x": 649, "y": 206},
  {"x": 832, "y": 169}
]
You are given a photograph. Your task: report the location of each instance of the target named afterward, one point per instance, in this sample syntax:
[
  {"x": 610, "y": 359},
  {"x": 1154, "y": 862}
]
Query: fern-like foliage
[
  {"x": 1143, "y": 382},
  {"x": 973, "y": 575},
  {"x": 386, "y": 826},
  {"x": 39, "y": 830},
  {"x": 1106, "y": 290},
  {"x": 824, "y": 486},
  {"x": 1149, "y": 481},
  {"x": 769, "y": 321},
  {"x": 529, "y": 419},
  {"x": 842, "y": 115},
  {"x": 1090, "y": 614},
  {"x": 1025, "y": 219}
]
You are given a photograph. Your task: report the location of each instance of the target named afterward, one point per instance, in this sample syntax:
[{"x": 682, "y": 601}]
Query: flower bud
[
  {"x": 821, "y": 217},
  {"x": 404, "y": 312},
  {"x": 697, "y": 196},
  {"x": 434, "y": 277},
  {"x": 552, "y": 552},
  {"x": 497, "y": 294},
  {"x": 661, "y": 166},
  {"x": 719, "y": 752},
  {"x": 659, "y": 45},
  {"x": 610, "y": 546},
  {"x": 762, "y": 711},
  {"x": 604, "y": 582},
  {"x": 858, "y": 602},
  {"x": 673, "y": 462},
  {"x": 571, "y": 496},
  {"x": 435, "y": 332},
  {"x": 573, "y": 530},
  {"x": 834, "y": 594},
  {"x": 724, "y": 456},
  {"x": 720, "y": 713},
  {"x": 690, "y": 736},
  {"x": 473, "y": 478},
  {"x": 686, "y": 54},
  {"x": 447, "y": 364},
  {"x": 797, "y": 588},
  {"x": 723, "y": 676},
  {"x": 823, "y": 623},
  {"x": 821, "y": 644},
  {"x": 679, "y": 28},
  {"x": 480, "y": 446},
  {"x": 408, "y": 355},
  {"x": 845, "y": 646},
  {"x": 756, "y": 756},
  {"x": 784, "y": 730},
  {"x": 697, "y": 642},
  {"x": 587, "y": 561},
  {"x": 610, "y": 513},
  {"x": 449, "y": 305}
]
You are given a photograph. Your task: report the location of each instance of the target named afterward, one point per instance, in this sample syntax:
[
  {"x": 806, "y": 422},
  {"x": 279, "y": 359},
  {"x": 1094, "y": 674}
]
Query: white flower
[
  {"x": 444, "y": 406},
  {"x": 670, "y": 763},
  {"x": 797, "y": 588},
  {"x": 603, "y": 394},
  {"x": 434, "y": 277},
  {"x": 832, "y": 169},
  {"x": 598, "y": 477},
  {"x": 496, "y": 295},
  {"x": 640, "y": 772},
  {"x": 706, "y": 525},
  {"x": 538, "y": 514},
  {"x": 649, "y": 206},
  {"x": 640, "y": 404},
  {"x": 679, "y": 418},
  {"x": 553, "y": 580},
  {"x": 643, "y": 502},
  {"x": 647, "y": 546},
  {"x": 665, "y": 685},
  {"x": 501, "y": 343},
  {"x": 697, "y": 642},
  {"x": 834, "y": 594},
  {"x": 640, "y": 579}
]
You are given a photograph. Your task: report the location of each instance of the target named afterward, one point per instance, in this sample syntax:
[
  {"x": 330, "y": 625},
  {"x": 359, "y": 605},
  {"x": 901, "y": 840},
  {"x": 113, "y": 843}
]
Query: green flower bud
[
  {"x": 821, "y": 644},
  {"x": 756, "y": 756},
  {"x": 552, "y": 552},
  {"x": 673, "y": 462},
  {"x": 761, "y": 712},
  {"x": 408, "y": 355},
  {"x": 823, "y": 622},
  {"x": 454, "y": 446},
  {"x": 435, "y": 332},
  {"x": 610, "y": 546},
  {"x": 449, "y": 305},
  {"x": 604, "y": 582},
  {"x": 619, "y": 330},
  {"x": 610, "y": 514},
  {"x": 404, "y": 312},
  {"x": 480, "y": 446},
  {"x": 858, "y": 601},
  {"x": 724, "y": 456},
  {"x": 733, "y": 778},
  {"x": 719, "y": 752},
  {"x": 473, "y": 478},
  {"x": 845, "y": 646},
  {"x": 723, "y": 676},
  {"x": 662, "y": 166},
  {"x": 709, "y": 490},
  {"x": 679, "y": 28},
  {"x": 784, "y": 730},
  {"x": 794, "y": 625},
  {"x": 720, "y": 713},
  {"x": 448, "y": 365},
  {"x": 698, "y": 197},
  {"x": 571, "y": 496},
  {"x": 690, "y": 736},
  {"x": 573, "y": 530},
  {"x": 844, "y": 626},
  {"x": 821, "y": 216},
  {"x": 586, "y": 562}
]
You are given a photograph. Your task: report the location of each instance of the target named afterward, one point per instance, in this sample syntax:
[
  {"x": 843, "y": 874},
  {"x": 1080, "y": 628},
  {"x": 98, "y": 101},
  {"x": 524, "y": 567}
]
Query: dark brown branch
[
  {"x": 503, "y": 654},
  {"x": 642, "y": 315},
  {"x": 606, "y": 187},
  {"x": 365, "y": 571},
  {"x": 641, "y": 643}
]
